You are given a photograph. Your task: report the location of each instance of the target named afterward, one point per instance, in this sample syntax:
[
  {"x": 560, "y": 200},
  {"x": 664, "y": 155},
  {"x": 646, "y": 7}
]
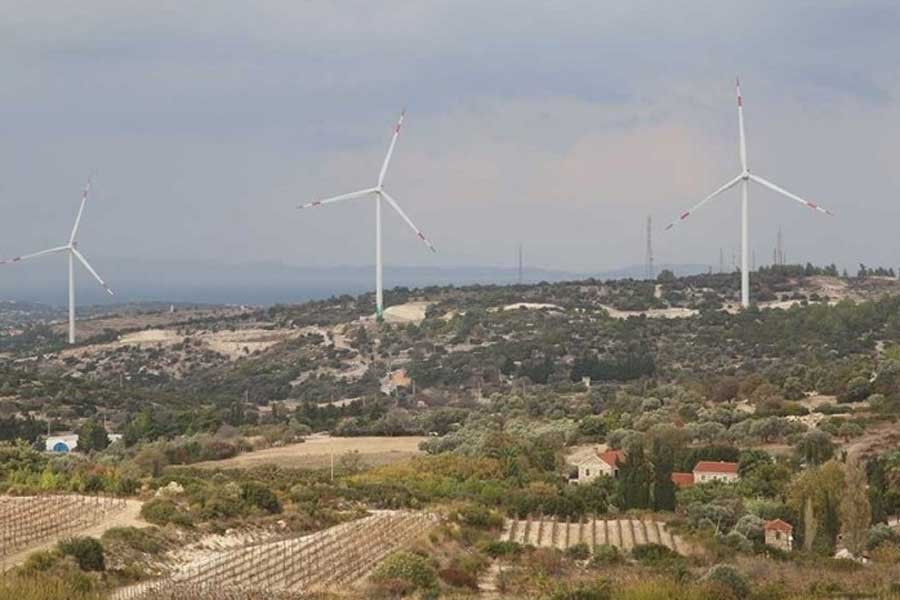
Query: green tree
[
  {"x": 92, "y": 436},
  {"x": 855, "y": 510},
  {"x": 815, "y": 447}
]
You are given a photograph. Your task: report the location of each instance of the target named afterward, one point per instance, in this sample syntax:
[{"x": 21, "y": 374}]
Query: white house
[
  {"x": 711, "y": 470},
  {"x": 63, "y": 442}
]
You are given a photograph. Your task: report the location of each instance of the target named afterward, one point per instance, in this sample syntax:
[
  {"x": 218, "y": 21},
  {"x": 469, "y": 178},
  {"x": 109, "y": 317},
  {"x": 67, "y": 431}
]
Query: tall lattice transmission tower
[
  {"x": 519, "y": 264},
  {"x": 650, "y": 271}
]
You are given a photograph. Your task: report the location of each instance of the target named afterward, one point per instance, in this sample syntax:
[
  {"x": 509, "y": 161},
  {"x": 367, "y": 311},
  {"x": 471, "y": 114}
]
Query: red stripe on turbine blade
[
  {"x": 316, "y": 203},
  {"x": 740, "y": 102},
  {"x": 811, "y": 205},
  {"x": 422, "y": 237},
  {"x": 684, "y": 216},
  {"x": 670, "y": 226}
]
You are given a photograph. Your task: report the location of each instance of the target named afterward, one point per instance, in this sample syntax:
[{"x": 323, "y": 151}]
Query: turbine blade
[
  {"x": 91, "y": 270},
  {"x": 349, "y": 196},
  {"x": 84, "y": 196},
  {"x": 33, "y": 255},
  {"x": 387, "y": 158},
  {"x": 786, "y": 193},
  {"x": 409, "y": 222},
  {"x": 688, "y": 213},
  {"x": 743, "y": 146}
]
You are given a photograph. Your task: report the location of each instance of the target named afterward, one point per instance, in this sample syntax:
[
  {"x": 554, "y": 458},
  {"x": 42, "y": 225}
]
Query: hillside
[{"x": 482, "y": 413}]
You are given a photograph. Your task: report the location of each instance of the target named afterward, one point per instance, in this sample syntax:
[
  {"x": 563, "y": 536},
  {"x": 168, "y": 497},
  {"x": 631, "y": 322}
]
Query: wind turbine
[
  {"x": 379, "y": 194},
  {"x": 744, "y": 179},
  {"x": 72, "y": 248}
]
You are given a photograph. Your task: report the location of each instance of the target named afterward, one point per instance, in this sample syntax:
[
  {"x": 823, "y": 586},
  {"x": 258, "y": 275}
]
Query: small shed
[{"x": 779, "y": 534}]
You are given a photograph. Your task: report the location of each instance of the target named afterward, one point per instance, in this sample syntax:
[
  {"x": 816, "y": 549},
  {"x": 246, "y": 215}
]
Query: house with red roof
[
  {"x": 779, "y": 534},
  {"x": 715, "y": 470}
]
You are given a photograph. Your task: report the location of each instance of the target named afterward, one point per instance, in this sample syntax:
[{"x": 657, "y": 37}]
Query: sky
[{"x": 560, "y": 126}]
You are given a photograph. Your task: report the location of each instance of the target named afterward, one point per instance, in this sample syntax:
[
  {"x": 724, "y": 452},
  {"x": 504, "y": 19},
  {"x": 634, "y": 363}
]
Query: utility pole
[{"x": 650, "y": 273}]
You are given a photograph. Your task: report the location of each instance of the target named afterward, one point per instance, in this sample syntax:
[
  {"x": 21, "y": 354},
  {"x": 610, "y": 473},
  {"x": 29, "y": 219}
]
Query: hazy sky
[{"x": 561, "y": 124}]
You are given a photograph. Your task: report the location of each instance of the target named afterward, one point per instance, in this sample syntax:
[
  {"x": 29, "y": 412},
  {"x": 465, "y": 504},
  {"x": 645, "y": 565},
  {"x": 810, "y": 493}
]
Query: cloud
[{"x": 559, "y": 125}]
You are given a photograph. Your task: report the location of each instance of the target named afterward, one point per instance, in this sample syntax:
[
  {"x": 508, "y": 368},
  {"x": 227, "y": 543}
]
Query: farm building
[
  {"x": 708, "y": 470},
  {"x": 595, "y": 464},
  {"x": 779, "y": 534},
  {"x": 62, "y": 443}
]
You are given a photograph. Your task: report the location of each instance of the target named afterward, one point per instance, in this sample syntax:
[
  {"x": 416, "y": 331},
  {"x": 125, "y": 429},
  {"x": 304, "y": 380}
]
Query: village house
[
  {"x": 779, "y": 534},
  {"x": 709, "y": 470},
  {"x": 595, "y": 464}
]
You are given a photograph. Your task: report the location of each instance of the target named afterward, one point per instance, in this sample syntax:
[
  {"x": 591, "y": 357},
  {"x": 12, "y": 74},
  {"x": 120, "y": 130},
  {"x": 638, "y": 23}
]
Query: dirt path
[
  {"x": 316, "y": 452},
  {"x": 130, "y": 516}
]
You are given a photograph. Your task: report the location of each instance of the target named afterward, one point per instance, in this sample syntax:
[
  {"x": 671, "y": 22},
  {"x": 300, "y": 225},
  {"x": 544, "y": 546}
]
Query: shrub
[
  {"x": 259, "y": 496},
  {"x": 87, "y": 552},
  {"x": 163, "y": 512},
  {"x": 407, "y": 567},
  {"x": 729, "y": 578},
  {"x": 737, "y": 541},
  {"x": 458, "y": 578},
  {"x": 650, "y": 554},
  {"x": 606, "y": 554},
  {"x": 579, "y": 551},
  {"x": 138, "y": 539},
  {"x": 480, "y": 517},
  {"x": 38, "y": 562},
  {"x": 495, "y": 549},
  {"x": 596, "y": 590}
]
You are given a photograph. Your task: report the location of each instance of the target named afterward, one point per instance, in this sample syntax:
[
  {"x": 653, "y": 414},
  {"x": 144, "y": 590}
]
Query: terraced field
[{"x": 625, "y": 534}]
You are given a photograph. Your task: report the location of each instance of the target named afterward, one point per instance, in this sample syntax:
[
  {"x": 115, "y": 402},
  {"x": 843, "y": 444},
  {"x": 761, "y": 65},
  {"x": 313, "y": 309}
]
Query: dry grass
[{"x": 316, "y": 453}]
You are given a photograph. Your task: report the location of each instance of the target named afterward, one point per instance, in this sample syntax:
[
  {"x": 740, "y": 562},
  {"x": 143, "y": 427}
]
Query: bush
[
  {"x": 137, "y": 539},
  {"x": 496, "y": 549},
  {"x": 480, "y": 517},
  {"x": 597, "y": 590},
  {"x": 409, "y": 568},
  {"x": 606, "y": 554},
  {"x": 579, "y": 551},
  {"x": 458, "y": 578},
  {"x": 650, "y": 554},
  {"x": 259, "y": 496},
  {"x": 87, "y": 552},
  {"x": 163, "y": 512},
  {"x": 729, "y": 578}
]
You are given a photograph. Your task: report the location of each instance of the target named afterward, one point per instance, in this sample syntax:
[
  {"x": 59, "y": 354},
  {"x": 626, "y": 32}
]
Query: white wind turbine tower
[
  {"x": 72, "y": 248},
  {"x": 379, "y": 193},
  {"x": 744, "y": 179}
]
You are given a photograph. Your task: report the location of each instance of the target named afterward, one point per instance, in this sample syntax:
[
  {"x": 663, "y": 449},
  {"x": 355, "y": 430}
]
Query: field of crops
[
  {"x": 33, "y": 520},
  {"x": 288, "y": 568},
  {"x": 625, "y": 534}
]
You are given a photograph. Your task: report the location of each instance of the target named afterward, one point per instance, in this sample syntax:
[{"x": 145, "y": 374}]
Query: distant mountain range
[{"x": 262, "y": 283}]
